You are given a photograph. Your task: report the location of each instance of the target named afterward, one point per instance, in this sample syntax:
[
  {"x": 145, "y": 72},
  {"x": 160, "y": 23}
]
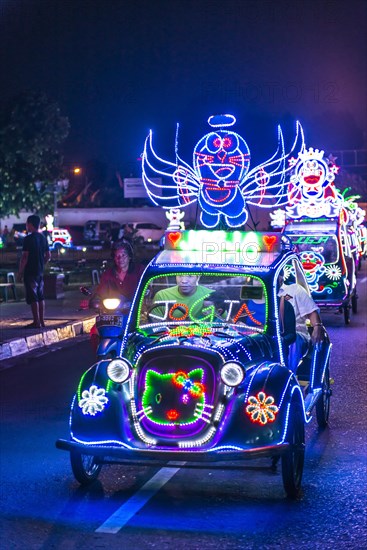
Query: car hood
[{"x": 248, "y": 348}]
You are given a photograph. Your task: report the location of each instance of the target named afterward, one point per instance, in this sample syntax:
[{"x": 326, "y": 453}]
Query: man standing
[{"x": 34, "y": 256}]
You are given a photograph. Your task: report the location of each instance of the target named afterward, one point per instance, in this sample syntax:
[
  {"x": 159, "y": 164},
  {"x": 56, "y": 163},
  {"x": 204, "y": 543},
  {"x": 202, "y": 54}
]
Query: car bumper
[{"x": 109, "y": 453}]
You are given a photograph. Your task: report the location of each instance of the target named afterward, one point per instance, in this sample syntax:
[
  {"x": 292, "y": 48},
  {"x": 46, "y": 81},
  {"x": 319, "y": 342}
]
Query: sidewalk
[{"x": 64, "y": 319}]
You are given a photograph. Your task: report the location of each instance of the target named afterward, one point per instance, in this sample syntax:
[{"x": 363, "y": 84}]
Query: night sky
[{"x": 120, "y": 67}]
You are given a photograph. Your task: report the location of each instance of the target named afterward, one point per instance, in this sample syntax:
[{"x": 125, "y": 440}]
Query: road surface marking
[
  {"x": 119, "y": 518},
  {"x": 362, "y": 280}
]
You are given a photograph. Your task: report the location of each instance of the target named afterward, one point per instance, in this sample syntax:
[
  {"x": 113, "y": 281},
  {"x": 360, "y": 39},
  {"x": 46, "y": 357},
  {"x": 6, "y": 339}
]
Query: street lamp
[{"x": 56, "y": 188}]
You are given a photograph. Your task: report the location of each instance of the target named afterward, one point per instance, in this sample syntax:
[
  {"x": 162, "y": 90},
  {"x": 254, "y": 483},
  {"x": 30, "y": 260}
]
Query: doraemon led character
[
  {"x": 220, "y": 178},
  {"x": 311, "y": 190}
]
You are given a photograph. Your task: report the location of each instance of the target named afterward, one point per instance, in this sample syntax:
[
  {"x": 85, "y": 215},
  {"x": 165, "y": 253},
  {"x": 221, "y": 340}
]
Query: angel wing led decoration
[{"x": 220, "y": 178}]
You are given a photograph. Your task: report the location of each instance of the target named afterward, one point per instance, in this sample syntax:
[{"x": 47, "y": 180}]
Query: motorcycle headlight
[
  {"x": 232, "y": 374},
  {"x": 118, "y": 371},
  {"x": 111, "y": 303}
]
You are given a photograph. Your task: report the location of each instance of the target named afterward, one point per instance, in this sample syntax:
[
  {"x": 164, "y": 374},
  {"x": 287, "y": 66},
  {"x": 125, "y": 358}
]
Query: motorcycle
[{"x": 106, "y": 335}]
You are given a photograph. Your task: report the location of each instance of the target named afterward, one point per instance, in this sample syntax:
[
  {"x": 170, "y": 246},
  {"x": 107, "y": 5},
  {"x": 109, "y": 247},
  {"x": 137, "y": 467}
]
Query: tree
[{"x": 32, "y": 131}]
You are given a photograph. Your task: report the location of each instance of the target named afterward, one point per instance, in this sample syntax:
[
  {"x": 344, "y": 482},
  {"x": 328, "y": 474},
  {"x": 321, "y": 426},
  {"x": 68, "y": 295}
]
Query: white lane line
[
  {"x": 119, "y": 518},
  {"x": 362, "y": 280}
]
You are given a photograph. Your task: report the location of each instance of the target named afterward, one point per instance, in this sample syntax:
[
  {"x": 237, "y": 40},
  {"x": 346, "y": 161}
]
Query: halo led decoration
[
  {"x": 311, "y": 190},
  {"x": 220, "y": 178}
]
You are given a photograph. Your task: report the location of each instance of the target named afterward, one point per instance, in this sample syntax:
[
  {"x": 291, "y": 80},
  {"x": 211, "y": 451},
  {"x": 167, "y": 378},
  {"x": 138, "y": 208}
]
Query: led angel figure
[{"x": 220, "y": 178}]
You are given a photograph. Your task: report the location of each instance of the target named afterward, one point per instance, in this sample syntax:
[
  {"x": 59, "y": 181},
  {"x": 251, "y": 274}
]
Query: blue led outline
[{"x": 323, "y": 369}]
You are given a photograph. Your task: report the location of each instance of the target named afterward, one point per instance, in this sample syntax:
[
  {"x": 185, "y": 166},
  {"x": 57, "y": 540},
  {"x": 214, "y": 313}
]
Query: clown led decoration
[
  {"x": 311, "y": 191},
  {"x": 313, "y": 262},
  {"x": 220, "y": 178}
]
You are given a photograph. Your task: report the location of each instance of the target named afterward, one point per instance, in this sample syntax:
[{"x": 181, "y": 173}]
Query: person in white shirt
[{"x": 305, "y": 309}]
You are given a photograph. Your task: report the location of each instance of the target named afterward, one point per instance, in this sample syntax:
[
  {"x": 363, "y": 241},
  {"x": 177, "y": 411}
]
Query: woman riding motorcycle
[{"x": 119, "y": 281}]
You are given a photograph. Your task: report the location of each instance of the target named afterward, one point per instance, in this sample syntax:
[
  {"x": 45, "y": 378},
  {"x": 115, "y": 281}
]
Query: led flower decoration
[
  {"x": 93, "y": 400},
  {"x": 261, "y": 408},
  {"x": 333, "y": 272}
]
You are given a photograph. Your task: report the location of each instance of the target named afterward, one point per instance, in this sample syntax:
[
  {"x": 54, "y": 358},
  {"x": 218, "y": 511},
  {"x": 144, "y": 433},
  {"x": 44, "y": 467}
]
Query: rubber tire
[
  {"x": 84, "y": 467},
  {"x": 355, "y": 303},
  {"x": 293, "y": 459},
  {"x": 323, "y": 404},
  {"x": 57, "y": 246},
  {"x": 346, "y": 314}
]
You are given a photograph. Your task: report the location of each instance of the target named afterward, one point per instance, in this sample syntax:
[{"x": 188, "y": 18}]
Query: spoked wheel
[
  {"x": 85, "y": 467},
  {"x": 346, "y": 314},
  {"x": 323, "y": 404},
  {"x": 355, "y": 302},
  {"x": 293, "y": 459}
]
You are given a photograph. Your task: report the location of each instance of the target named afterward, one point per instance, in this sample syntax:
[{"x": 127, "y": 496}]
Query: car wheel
[
  {"x": 57, "y": 246},
  {"x": 355, "y": 302},
  {"x": 346, "y": 314},
  {"x": 293, "y": 458},
  {"x": 323, "y": 404},
  {"x": 85, "y": 467}
]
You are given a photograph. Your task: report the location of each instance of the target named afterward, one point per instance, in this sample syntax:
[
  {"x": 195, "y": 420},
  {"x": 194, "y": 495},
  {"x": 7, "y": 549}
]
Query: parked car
[
  {"x": 142, "y": 232},
  {"x": 205, "y": 380},
  {"x": 101, "y": 231},
  {"x": 59, "y": 238}
]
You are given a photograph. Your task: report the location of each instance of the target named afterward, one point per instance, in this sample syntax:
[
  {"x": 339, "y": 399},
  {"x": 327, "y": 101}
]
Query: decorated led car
[
  {"x": 202, "y": 373},
  {"x": 320, "y": 223}
]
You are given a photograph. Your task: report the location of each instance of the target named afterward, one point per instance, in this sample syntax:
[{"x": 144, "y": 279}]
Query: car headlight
[
  {"x": 232, "y": 373},
  {"x": 118, "y": 371},
  {"x": 111, "y": 303}
]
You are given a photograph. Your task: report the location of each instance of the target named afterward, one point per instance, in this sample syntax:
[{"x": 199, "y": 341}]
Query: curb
[{"x": 20, "y": 346}]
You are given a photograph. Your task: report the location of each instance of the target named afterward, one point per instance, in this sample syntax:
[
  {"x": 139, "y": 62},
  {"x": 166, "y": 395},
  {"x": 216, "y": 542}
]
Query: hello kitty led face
[
  {"x": 174, "y": 398},
  {"x": 311, "y": 190}
]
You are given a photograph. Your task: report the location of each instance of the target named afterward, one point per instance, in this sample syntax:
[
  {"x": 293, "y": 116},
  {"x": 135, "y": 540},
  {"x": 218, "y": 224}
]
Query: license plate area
[{"x": 109, "y": 320}]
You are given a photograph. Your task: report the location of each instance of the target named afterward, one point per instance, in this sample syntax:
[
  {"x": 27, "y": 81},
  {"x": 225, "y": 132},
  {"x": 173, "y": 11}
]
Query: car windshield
[
  {"x": 213, "y": 299},
  {"x": 317, "y": 245}
]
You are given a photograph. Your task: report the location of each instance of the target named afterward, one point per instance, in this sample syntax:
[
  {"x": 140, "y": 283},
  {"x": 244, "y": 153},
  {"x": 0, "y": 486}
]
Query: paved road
[{"x": 43, "y": 507}]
